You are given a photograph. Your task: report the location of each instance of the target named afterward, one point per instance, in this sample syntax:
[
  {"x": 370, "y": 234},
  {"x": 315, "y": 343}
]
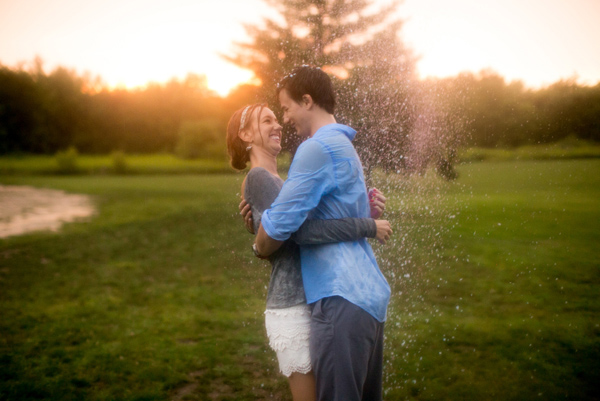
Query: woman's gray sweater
[{"x": 285, "y": 286}]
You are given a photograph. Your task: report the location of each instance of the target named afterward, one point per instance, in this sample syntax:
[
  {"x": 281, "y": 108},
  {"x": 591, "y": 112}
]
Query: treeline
[
  {"x": 494, "y": 113},
  {"x": 44, "y": 113}
]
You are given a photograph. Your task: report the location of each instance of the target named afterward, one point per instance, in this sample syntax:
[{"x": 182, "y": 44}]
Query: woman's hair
[
  {"x": 236, "y": 147},
  {"x": 313, "y": 81}
]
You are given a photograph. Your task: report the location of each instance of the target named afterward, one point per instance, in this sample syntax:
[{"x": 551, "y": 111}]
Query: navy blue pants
[{"x": 346, "y": 350}]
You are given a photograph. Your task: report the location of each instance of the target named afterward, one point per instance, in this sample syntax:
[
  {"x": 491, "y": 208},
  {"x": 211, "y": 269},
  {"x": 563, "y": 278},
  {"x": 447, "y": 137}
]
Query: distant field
[
  {"x": 164, "y": 163},
  {"x": 495, "y": 283},
  {"x": 568, "y": 148},
  {"x": 104, "y": 164}
]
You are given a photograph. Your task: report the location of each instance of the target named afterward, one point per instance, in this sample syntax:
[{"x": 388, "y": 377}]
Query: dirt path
[{"x": 24, "y": 209}]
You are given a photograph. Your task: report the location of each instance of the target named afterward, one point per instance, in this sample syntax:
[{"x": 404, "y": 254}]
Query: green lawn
[
  {"x": 165, "y": 163},
  {"x": 567, "y": 148},
  {"x": 495, "y": 283},
  {"x": 118, "y": 163}
]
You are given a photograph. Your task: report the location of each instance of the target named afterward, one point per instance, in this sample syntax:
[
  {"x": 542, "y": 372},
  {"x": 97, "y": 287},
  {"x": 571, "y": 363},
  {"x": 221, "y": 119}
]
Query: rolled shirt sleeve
[{"x": 310, "y": 177}]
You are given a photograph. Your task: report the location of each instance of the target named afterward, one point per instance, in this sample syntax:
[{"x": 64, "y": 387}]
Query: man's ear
[{"x": 307, "y": 101}]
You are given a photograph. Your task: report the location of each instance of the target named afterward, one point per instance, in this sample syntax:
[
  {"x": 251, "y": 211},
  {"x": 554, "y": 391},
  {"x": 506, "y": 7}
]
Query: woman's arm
[{"x": 315, "y": 232}]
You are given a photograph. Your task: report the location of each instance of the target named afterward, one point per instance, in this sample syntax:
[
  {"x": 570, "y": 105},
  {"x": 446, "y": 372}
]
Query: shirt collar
[{"x": 344, "y": 129}]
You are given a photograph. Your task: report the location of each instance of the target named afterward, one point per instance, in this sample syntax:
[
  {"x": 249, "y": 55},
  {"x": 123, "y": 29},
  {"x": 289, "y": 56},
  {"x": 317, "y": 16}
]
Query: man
[{"x": 347, "y": 291}]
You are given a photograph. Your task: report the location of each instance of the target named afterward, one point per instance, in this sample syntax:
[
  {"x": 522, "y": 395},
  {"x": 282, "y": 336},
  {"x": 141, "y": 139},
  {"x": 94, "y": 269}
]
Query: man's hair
[{"x": 313, "y": 81}]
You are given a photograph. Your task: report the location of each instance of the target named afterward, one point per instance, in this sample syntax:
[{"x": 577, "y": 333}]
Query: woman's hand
[
  {"x": 246, "y": 213},
  {"x": 384, "y": 230},
  {"x": 376, "y": 203}
]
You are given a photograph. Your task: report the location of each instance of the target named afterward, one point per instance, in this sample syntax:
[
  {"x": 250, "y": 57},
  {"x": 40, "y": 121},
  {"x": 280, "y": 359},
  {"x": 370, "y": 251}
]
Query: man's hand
[
  {"x": 246, "y": 212},
  {"x": 376, "y": 203},
  {"x": 384, "y": 230}
]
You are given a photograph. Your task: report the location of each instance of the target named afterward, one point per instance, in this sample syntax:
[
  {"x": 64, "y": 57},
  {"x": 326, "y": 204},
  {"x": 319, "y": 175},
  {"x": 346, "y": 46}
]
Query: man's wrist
[{"x": 256, "y": 253}]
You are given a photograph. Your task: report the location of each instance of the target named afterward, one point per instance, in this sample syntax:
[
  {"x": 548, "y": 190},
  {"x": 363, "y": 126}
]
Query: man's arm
[
  {"x": 326, "y": 231},
  {"x": 266, "y": 245},
  {"x": 310, "y": 177},
  {"x": 246, "y": 213}
]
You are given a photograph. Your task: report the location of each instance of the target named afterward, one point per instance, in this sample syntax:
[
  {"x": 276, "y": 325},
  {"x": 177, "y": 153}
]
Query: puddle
[{"x": 25, "y": 209}]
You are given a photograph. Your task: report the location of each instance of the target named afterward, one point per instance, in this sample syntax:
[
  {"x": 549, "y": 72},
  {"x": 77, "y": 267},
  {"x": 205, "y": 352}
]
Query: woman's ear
[{"x": 245, "y": 135}]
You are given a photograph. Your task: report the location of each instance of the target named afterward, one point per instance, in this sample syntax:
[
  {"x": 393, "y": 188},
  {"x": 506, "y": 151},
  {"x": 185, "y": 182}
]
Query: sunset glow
[
  {"x": 536, "y": 41},
  {"x": 131, "y": 43}
]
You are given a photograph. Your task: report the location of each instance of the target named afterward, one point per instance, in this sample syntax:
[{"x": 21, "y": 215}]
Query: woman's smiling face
[{"x": 266, "y": 130}]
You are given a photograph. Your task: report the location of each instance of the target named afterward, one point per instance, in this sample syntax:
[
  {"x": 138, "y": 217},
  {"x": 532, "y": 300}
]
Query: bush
[
  {"x": 284, "y": 160},
  {"x": 119, "y": 162},
  {"x": 200, "y": 139},
  {"x": 67, "y": 161}
]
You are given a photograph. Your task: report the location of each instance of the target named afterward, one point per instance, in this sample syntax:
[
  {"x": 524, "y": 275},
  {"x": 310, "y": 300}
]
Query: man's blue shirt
[{"x": 326, "y": 181}]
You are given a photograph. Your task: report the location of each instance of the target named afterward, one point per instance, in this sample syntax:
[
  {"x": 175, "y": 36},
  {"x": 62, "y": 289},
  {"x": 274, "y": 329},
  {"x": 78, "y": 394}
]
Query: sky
[{"x": 129, "y": 43}]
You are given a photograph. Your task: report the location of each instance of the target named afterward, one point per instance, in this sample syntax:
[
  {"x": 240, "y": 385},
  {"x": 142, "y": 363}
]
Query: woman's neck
[{"x": 260, "y": 158}]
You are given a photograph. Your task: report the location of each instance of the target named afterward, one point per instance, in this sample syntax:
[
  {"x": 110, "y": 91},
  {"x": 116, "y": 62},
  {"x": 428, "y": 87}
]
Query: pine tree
[
  {"x": 336, "y": 34},
  {"x": 360, "y": 47}
]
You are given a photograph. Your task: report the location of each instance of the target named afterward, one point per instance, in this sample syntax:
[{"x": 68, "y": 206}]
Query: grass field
[
  {"x": 118, "y": 163},
  {"x": 567, "y": 148},
  {"x": 165, "y": 163},
  {"x": 495, "y": 283}
]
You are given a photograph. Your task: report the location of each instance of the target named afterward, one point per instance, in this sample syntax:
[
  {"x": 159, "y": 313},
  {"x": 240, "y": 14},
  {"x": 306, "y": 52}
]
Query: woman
[{"x": 254, "y": 135}]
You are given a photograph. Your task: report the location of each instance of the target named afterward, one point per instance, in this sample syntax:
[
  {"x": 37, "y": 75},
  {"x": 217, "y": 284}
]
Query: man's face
[{"x": 294, "y": 114}]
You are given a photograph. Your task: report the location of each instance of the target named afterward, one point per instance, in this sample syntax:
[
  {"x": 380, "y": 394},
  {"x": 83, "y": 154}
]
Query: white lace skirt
[{"x": 289, "y": 332}]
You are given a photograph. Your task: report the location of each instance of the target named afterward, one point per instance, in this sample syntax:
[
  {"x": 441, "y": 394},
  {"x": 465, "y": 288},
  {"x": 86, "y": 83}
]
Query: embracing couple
[{"x": 327, "y": 298}]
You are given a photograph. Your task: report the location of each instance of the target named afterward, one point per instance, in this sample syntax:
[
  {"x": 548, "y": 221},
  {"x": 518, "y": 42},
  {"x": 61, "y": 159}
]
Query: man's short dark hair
[{"x": 313, "y": 81}]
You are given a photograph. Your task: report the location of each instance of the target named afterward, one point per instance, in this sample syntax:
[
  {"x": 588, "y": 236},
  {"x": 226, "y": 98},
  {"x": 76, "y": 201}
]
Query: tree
[
  {"x": 201, "y": 139},
  {"x": 20, "y": 111},
  {"x": 45, "y": 113},
  {"x": 333, "y": 33},
  {"x": 39, "y": 113},
  {"x": 567, "y": 109},
  {"x": 362, "y": 49}
]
